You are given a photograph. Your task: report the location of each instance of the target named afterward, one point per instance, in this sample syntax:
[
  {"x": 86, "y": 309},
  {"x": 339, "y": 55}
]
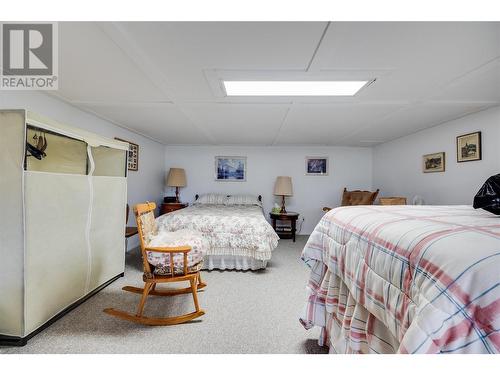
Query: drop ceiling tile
[
  {"x": 329, "y": 123},
  {"x": 93, "y": 68},
  {"x": 163, "y": 122},
  {"x": 480, "y": 86},
  {"x": 412, "y": 119},
  {"x": 422, "y": 57},
  {"x": 183, "y": 50},
  {"x": 238, "y": 123}
]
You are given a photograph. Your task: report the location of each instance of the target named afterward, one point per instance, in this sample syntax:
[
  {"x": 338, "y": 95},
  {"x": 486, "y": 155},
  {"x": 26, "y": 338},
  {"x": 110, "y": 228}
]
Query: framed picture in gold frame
[{"x": 433, "y": 162}]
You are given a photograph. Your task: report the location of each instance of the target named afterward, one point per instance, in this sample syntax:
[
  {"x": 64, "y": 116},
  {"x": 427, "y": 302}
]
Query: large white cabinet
[{"x": 62, "y": 219}]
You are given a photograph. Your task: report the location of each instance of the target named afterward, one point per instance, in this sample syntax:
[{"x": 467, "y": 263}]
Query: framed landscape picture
[
  {"x": 316, "y": 166},
  {"x": 469, "y": 147},
  {"x": 230, "y": 168},
  {"x": 133, "y": 155},
  {"x": 433, "y": 162}
]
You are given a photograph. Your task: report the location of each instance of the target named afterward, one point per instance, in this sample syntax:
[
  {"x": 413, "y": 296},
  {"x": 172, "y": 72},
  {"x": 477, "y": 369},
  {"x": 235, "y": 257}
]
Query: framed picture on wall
[
  {"x": 133, "y": 155},
  {"x": 316, "y": 166},
  {"x": 469, "y": 147},
  {"x": 231, "y": 168},
  {"x": 433, "y": 162}
]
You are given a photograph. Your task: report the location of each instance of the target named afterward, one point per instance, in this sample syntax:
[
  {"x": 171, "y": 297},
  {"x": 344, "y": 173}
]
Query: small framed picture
[
  {"x": 316, "y": 166},
  {"x": 231, "y": 168},
  {"x": 133, "y": 155},
  {"x": 433, "y": 162},
  {"x": 469, "y": 147}
]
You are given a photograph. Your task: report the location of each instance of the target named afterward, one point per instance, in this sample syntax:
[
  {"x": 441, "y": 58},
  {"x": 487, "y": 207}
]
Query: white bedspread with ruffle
[{"x": 239, "y": 230}]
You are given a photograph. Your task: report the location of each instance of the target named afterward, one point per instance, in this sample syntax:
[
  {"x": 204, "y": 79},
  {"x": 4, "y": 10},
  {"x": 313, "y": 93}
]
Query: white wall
[
  {"x": 145, "y": 184},
  {"x": 397, "y": 165},
  {"x": 349, "y": 167}
]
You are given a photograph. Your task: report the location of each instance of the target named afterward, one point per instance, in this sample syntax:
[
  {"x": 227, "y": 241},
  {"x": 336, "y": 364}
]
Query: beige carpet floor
[{"x": 246, "y": 312}]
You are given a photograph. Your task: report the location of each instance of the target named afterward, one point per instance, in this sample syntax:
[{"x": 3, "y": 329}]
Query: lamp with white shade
[
  {"x": 176, "y": 178},
  {"x": 283, "y": 187}
]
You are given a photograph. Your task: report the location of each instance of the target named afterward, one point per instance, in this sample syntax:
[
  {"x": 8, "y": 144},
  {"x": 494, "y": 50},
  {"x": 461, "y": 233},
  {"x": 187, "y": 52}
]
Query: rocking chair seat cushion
[{"x": 161, "y": 261}]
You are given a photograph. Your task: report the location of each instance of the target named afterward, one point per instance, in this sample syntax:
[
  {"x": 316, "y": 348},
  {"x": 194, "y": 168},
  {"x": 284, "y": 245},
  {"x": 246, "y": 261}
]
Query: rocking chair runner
[{"x": 177, "y": 270}]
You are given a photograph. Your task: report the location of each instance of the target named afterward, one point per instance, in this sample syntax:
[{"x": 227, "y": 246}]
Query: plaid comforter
[{"x": 407, "y": 279}]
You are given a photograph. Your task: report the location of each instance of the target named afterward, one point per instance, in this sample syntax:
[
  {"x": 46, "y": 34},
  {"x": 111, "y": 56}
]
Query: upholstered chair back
[
  {"x": 146, "y": 222},
  {"x": 358, "y": 197},
  {"x": 148, "y": 225}
]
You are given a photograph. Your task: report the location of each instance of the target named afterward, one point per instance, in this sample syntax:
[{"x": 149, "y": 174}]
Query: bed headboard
[{"x": 259, "y": 197}]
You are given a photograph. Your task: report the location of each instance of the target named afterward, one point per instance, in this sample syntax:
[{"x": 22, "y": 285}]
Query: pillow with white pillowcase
[
  {"x": 211, "y": 198},
  {"x": 246, "y": 199}
]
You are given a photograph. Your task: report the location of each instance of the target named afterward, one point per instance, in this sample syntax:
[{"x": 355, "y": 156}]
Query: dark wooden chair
[
  {"x": 129, "y": 231},
  {"x": 184, "y": 272},
  {"x": 356, "y": 198}
]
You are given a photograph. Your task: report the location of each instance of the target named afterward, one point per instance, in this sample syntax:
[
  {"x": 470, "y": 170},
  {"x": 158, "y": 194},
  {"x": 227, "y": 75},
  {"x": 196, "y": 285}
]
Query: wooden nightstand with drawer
[
  {"x": 170, "y": 207},
  {"x": 285, "y": 231}
]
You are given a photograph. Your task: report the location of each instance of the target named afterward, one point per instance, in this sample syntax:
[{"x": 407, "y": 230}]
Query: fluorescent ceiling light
[{"x": 293, "y": 88}]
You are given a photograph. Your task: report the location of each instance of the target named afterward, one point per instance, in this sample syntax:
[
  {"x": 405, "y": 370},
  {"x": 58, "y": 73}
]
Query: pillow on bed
[
  {"x": 211, "y": 198},
  {"x": 242, "y": 199}
]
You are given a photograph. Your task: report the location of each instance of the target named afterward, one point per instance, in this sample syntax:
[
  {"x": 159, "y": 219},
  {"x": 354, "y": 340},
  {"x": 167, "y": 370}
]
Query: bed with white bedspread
[
  {"x": 239, "y": 236},
  {"x": 405, "y": 279}
]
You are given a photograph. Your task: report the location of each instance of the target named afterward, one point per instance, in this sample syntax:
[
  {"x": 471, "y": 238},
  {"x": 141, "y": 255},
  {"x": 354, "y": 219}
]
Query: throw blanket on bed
[
  {"x": 238, "y": 230},
  {"x": 410, "y": 279}
]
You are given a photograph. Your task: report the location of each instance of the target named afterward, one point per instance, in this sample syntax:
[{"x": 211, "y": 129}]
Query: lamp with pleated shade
[
  {"x": 176, "y": 178},
  {"x": 283, "y": 187}
]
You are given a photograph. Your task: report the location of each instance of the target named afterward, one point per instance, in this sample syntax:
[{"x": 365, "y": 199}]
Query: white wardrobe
[{"x": 62, "y": 219}]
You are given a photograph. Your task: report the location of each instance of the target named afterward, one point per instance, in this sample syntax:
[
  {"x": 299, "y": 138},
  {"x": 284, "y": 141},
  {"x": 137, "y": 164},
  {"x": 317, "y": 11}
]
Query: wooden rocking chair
[{"x": 146, "y": 225}]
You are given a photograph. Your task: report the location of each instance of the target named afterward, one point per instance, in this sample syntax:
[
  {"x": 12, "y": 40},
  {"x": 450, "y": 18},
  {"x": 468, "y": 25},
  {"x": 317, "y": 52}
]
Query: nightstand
[
  {"x": 170, "y": 207},
  {"x": 285, "y": 231}
]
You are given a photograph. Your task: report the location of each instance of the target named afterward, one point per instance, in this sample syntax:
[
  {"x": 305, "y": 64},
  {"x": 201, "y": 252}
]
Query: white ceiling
[{"x": 163, "y": 79}]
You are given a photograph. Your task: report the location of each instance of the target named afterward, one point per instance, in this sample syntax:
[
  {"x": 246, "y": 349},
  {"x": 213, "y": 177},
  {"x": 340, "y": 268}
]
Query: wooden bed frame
[{"x": 259, "y": 197}]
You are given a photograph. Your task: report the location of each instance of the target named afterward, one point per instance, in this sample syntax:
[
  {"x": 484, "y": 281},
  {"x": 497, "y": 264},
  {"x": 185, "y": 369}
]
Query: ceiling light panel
[{"x": 293, "y": 88}]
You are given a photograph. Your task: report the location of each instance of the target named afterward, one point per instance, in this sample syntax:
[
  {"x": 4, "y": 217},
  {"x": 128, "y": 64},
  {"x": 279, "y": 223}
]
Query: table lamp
[
  {"x": 176, "y": 178},
  {"x": 283, "y": 187}
]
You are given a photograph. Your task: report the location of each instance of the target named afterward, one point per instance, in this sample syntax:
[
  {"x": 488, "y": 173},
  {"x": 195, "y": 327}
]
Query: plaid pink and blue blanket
[{"x": 405, "y": 279}]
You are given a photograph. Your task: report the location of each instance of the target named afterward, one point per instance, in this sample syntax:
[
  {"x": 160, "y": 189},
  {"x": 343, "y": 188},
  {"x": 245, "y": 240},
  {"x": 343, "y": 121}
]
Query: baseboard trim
[{"x": 22, "y": 341}]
